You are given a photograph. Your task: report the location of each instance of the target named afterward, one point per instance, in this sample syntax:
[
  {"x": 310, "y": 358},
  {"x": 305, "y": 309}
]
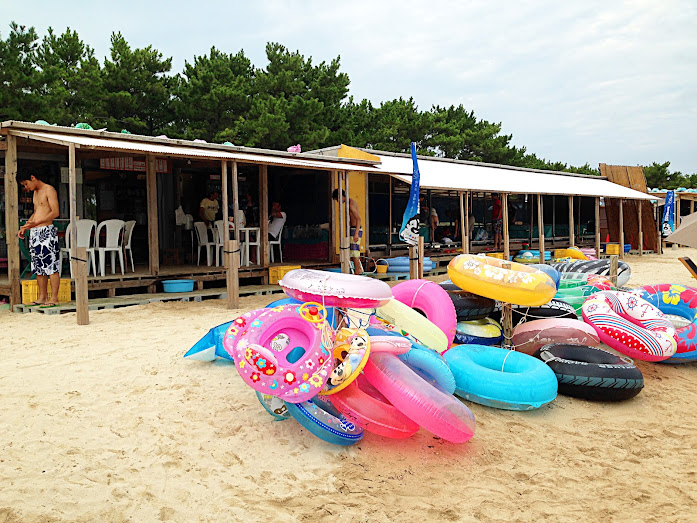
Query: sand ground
[{"x": 107, "y": 422}]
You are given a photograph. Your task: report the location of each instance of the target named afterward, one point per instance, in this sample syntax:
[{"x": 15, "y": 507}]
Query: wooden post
[
  {"x": 504, "y": 216},
  {"x": 223, "y": 178},
  {"x": 12, "y": 221},
  {"x": 541, "y": 228},
  {"x": 572, "y": 236},
  {"x": 232, "y": 262},
  {"x": 640, "y": 204},
  {"x": 389, "y": 217},
  {"x": 692, "y": 206},
  {"x": 597, "y": 227},
  {"x": 79, "y": 266},
  {"x": 614, "y": 262},
  {"x": 333, "y": 184},
  {"x": 677, "y": 210},
  {"x": 532, "y": 221},
  {"x": 343, "y": 246},
  {"x": 621, "y": 229},
  {"x": 264, "y": 220},
  {"x": 153, "y": 239},
  {"x": 659, "y": 232},
  {"x": 420, "y": 254},
  {"x": 81, "y": 298},
  {"x": 413, "y": 262},
  {"x": 347, "y": 234},
  {"x": 464, "y": 223},
  {"x": 507, "y": 315}
]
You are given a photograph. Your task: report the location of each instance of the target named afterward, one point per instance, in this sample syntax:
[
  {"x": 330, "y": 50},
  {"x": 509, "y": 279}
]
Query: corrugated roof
[
  {"x": 470, "y": 176},
  {"x": 163, "y": 147}
]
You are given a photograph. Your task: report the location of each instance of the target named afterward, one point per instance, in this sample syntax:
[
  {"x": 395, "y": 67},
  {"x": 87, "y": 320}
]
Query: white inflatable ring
[{"x": 334, "y": 289}]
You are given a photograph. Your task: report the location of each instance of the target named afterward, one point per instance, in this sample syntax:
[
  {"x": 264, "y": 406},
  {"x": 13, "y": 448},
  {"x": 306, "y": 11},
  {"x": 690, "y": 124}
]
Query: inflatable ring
[
  {"x": 591, "y": 373},
  {"x": 331, "y": 311},
  {"x": 679, "y": 301},
  {"x": 362, "y": 404},
  {"x": 485, "y": 276},
  {"x": 429, "y": 298},
  {"x": 532, "y": 335},
  {"x": 432, "y": 367},
  {"x": 549, "y": 271},
  {"x": 237, "y": 328},
  {"x": 630, "y": 325},
  {"x": 480, "y": 332},
  {"x": 284, "y": 355},
  {"x": 335, "y": 289},
  {"x": 392, "y": 344},
  {"x": 401, "y": 264},
  {"x": 438, "y": 412},
  {"x": 468, "y": 306},
  {"x": 554, "y": 309},
  {"x": 601, "y": 267},
  {"x": 501, "y": 378},
  {"x": 403, "y": 316},
  {"x": 274, "y": 406},
  {"x": 351, "y": 351},
  {"x": 323, "y": 420}
]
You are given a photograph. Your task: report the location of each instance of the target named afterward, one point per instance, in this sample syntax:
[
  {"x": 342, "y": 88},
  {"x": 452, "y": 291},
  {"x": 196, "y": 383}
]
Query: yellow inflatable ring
[{"x": 484, "y": 275}]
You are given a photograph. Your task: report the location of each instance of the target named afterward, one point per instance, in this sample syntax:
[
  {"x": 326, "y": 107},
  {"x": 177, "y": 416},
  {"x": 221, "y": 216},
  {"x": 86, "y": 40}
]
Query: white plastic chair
[
  {"x": 219, "y": 239},
  {"x": 204, "y": 242},
  {"x": 113, "y": 244},
  {"x": 277, "y": 241},
  {"x": 85, "y": 238},
  {"x": 127, "y": 234}
]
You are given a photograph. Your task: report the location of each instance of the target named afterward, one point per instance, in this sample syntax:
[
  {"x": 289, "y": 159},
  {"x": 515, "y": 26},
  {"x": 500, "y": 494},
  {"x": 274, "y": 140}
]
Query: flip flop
[
  {"x": 48, "y": 306},
  {"x": 34, "y": 304}
]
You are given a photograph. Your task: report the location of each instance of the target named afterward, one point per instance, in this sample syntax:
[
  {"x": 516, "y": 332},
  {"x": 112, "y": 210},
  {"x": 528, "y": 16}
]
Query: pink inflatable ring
[
  {"x": 630, "y": 325},
  {"x": 285, "y": 352},
  {"x": 432, "y": 300},
  {"x": 334, "y": 289}
]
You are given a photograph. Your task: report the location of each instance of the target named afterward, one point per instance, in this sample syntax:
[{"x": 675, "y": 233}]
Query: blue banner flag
[
  {"x": 669, "y": 214},
  {"x": 410, "y": 222}
]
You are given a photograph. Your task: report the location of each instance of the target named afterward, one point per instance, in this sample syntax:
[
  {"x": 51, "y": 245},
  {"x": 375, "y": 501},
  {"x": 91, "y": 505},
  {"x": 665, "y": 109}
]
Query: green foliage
[
  {"x": 19, "y": 99},
  {"x": 68, "y": 79},
  {"x": 224, "y": 97},
  {"x": 137, "y": 91}
]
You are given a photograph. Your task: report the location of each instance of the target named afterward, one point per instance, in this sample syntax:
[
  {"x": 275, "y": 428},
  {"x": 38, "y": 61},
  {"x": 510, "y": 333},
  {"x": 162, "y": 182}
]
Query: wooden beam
[
  {"x": 78, "y": 257},
  {"x": 641, "y": 229},
  {"x": 342, "y": 216},
  {"x": 334, "y": 184},
  {"x": 153, "y": 234},
  {"x": 348, "y": 223},
  {"x": 504, "y": 216},
  {"x": 541, "y": 228},
  {"x": 366, "y": 218},
  {"x": 232, "y": 250},
  {"x": 507, "y": 314},
  {"x": 389, "y": 214},
  {"x": 464, "y": 222},
  {"x": 420, "y": 261},
  {"x": 572, "y": 238},
  {"x": 613, "y": 268},
  {"x": 224, "y": 189},
  {"x": 597, "y": 227},
  {"x": 264, "y": 218},
  {"x": 621, "y": 229},
  {"x": 12, "y": 221}
]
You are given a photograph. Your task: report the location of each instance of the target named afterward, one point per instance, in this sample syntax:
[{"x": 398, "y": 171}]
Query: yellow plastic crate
[
  {"x": 612, "y": 248},
  {"x": 30, "y": 291},
  {"x": 277, "y": 273},
  {"x": 498, "y": 255}
]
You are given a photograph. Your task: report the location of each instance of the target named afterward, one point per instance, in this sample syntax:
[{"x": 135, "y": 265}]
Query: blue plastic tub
[{"x": 178, "y": 285}]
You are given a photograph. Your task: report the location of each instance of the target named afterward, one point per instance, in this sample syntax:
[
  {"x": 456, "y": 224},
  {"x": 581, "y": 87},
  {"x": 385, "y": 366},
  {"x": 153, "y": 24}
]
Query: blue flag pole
[{"x": 409, "y": 232}]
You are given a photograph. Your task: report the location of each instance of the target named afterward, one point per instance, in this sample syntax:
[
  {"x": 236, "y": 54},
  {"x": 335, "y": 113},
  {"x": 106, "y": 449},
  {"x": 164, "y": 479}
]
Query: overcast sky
[{"x": 578, "y": 82}]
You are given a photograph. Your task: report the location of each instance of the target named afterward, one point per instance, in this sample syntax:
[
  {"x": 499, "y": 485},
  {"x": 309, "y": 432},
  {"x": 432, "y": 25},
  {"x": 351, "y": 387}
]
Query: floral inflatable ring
[{"x": 284, "y": 354}]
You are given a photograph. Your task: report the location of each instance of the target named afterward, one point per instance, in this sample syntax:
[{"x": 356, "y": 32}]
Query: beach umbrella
[{"x": 686, "y": 234}]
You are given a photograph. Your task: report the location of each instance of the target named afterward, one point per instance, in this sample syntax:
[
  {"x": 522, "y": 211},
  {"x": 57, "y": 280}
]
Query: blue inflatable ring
[
  {"x": 431, "y": 366},
  {"x": 501, "y": 378},
  {"x": 549, "y": 271},
  {"x": 323, "y": 420}
]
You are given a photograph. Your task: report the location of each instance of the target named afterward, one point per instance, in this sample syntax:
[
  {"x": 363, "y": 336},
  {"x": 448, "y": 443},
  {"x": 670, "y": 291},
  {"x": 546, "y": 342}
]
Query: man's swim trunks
[
  {"x": 355, "y": 248},
  {"x": 44, "y": 250}
]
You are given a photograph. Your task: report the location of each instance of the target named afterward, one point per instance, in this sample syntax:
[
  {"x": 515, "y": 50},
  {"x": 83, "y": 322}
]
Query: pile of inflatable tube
[{"x": 344, "y": 355}]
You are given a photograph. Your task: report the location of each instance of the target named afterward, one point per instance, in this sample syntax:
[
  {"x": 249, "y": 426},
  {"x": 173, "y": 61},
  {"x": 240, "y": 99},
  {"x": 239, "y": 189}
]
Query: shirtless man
[
  {"x": 356, "y": 231},
  {"x": 43, "y": 237}
]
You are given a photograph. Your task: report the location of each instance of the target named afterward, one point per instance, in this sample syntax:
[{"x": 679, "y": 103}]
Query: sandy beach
[{"x": 108, "y": 422}]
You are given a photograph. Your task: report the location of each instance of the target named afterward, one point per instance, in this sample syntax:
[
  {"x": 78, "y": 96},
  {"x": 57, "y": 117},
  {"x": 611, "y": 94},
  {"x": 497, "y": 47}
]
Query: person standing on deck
[
  {"x": 356, "y": 229},
  {"x": 43, "y": 237}
]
